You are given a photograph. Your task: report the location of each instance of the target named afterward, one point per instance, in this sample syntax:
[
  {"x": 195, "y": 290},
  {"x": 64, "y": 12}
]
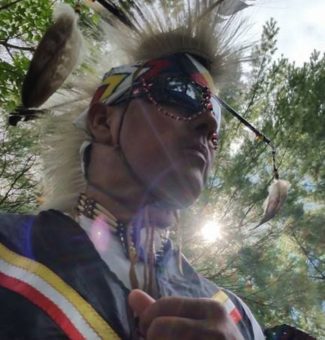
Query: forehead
[
  {"x": 179, "y": 65},
  {"x": 118, "y": 80}
]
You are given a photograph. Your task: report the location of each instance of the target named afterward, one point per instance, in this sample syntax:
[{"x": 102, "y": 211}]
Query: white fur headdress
[{"x": 142, "y": 31}]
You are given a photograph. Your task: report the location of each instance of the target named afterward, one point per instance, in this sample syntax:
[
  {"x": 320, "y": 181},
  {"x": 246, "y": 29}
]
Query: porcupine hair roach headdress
[{"x": 130, "y": 32}]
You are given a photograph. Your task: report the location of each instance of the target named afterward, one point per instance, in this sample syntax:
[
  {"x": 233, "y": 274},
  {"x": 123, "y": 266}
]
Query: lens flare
[
  {"x": 100, "y": 234},
  {"x": 211, "y": 231}
]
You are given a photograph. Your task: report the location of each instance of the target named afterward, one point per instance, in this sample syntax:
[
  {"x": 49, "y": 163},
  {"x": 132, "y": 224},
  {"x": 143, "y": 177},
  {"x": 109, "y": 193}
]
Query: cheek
[
  {"x": 147, "y": 139},
  {"x": 174, "y": 179},
  {"x": 154, "y": 153},
  {"x": 151, "y": 156}
]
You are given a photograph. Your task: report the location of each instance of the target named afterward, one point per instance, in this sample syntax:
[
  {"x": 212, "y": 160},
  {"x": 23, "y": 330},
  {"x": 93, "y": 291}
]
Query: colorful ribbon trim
[
  {"x": 75, "y": 316},
  {"x": 62, "y": 303},
  {"x": 231, "y": 309}
]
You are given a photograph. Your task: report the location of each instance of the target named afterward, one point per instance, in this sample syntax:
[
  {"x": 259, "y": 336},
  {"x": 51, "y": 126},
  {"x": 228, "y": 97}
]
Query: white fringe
[{"x": 193, "y": 26}]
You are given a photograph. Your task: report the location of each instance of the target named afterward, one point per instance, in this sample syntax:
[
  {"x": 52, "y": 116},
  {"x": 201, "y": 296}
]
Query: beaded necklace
[{"x": 129, "y": 236}]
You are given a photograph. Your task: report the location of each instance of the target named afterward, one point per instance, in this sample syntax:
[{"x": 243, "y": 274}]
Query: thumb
[{"x": 139, "y": 301}]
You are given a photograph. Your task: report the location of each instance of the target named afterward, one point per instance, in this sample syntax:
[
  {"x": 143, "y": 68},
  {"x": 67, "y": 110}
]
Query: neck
[
  {"x": 120, "y": 193},
  {"x": 123, "y": 207},
  {"x": 110, "y": 184},
  {"x": 159, "y": 216}
]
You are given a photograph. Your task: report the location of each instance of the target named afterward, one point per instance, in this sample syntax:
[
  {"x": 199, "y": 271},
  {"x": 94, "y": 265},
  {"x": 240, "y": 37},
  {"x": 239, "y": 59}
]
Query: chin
[{"x": 181, "y": 193}]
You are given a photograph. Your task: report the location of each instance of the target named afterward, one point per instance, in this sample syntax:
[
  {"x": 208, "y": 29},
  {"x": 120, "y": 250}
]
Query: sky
[{"x": 301, "y": 22}]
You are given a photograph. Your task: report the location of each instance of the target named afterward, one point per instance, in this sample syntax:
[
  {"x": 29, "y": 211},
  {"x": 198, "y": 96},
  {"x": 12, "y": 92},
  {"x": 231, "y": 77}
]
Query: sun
[{"x": 211, "y": 231}]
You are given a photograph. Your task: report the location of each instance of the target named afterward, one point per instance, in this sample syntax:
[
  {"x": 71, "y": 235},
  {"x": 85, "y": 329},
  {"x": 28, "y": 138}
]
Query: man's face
[
  {"x": 172, "y": 157},
  {"x": 166, "y": 133}
]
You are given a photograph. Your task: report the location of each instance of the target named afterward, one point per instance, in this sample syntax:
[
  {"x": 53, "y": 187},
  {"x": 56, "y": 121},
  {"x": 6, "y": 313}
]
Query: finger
[
  {"x": 165, "y": 328},
  {"x": 139, "y": 301},
  {"x": 182, "y": 307}
]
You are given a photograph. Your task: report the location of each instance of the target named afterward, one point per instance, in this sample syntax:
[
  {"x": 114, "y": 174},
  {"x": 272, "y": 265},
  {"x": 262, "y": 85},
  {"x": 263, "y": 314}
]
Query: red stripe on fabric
[
  {"x": 43, "y": 302},
  {"x": 235, "y": 315}
]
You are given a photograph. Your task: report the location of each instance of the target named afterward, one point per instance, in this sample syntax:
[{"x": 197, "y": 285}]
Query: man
[{"x": 104, "y": 267}]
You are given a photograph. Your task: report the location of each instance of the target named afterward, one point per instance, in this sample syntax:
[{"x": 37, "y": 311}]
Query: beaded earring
[{"x": 214, "y": 140}]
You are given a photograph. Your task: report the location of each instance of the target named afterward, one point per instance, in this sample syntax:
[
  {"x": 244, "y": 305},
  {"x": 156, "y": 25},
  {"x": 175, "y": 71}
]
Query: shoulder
[
  {"x": 17, "y": 230},
  {"x": 13, "y": 227},
  {"x": 11, "y": 222},
  {"x": 7, "y": 220},
  {"x": 17, "y": 314}
]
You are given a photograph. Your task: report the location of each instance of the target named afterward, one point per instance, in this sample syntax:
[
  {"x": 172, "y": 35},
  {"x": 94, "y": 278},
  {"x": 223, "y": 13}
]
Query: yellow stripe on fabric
[
  {"x": 221, "y": 297},
  {"x": 100, "y": 326}
]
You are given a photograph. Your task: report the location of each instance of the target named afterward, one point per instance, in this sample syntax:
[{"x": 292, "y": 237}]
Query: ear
[{"x": 98, "y": 123}]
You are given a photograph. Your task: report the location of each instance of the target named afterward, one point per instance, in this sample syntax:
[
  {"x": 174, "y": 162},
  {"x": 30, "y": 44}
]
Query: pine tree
[{"x": 278, "y": 268}]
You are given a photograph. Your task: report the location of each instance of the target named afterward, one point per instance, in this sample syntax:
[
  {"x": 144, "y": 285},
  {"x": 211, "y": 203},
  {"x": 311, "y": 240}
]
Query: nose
[{"x": 205, "y": 124}]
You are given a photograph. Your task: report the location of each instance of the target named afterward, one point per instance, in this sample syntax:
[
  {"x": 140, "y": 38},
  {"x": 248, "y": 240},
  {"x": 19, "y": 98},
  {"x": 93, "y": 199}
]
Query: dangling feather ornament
[
  {"x": 55, "y": 57},
  {"x": 278, "y": 192},
  {"x": 132, "y": 32}
]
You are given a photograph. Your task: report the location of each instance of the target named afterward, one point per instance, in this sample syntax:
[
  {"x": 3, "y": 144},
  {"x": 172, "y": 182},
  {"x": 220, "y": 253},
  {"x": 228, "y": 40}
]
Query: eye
[{"x": 176, "y": 85}]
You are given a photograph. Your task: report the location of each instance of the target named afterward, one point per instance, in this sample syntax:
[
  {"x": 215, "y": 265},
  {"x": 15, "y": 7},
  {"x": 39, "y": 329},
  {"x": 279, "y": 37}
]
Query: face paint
[
  {"x": 179, "y": 98},
  {"x": 177, "y": 81}
]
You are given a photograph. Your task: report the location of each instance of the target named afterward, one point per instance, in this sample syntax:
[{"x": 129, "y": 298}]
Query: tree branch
[
  {"x": 4, "y": 165},
  {"x": 16, "y": 179},
  {"x": 306, "y": 253},
  {"x": 16, "y": 47},
  {"x": 9, "y": 52},
  {"x": 9, "y": 5}
]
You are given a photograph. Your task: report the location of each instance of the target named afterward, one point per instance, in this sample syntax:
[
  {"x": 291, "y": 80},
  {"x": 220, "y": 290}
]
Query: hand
[{"x": 182, "y": 318}]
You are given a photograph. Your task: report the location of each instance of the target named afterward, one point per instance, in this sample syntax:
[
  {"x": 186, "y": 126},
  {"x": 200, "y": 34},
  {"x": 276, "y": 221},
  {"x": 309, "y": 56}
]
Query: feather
[
  {"x": 63, "y": 179},
  {"x": 232, "y": 6},
  {"x": 278, "y": 192},
  {"x": 130, "y": 32},
  {"x": 21, "y": 113},
  {"x": 54, "y": 59},
  {"x": 207, "y": 29},
  {"x": 117, "y": 10}
]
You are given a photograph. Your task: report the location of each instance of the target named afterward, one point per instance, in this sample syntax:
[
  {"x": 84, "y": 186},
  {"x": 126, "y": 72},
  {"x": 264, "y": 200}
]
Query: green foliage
[
  {"x": 24, "y": 20},
  {"x": 18, "y": 163},
  {"x": 22, "y": 26},
  {"x": 23, "y": 23},
  {"x": 277, "y": 268}
]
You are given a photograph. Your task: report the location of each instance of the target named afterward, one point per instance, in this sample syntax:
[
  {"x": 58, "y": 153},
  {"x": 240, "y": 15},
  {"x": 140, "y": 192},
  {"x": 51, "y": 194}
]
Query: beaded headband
[{"x": 119, "y": 80}]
